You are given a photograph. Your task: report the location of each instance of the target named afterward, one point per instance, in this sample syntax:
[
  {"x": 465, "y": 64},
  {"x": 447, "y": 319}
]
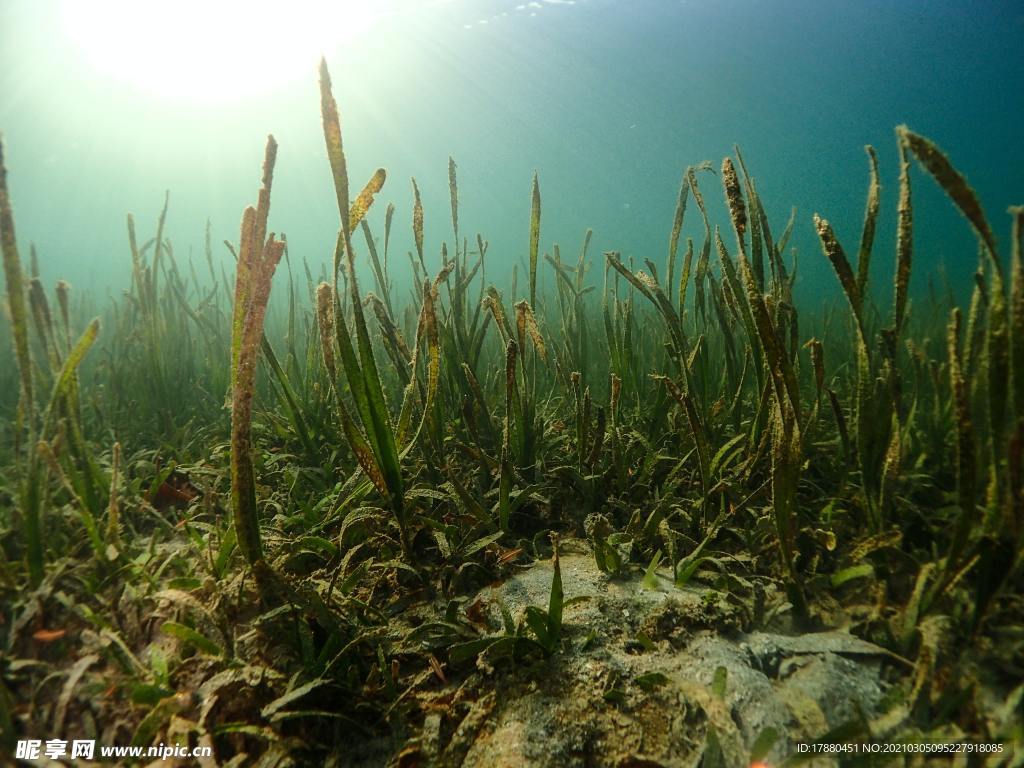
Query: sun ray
[{"x": 196, "y": 51}]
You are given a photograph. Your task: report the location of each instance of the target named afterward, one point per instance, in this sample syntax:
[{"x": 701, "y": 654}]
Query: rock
[{"x": 584, "y": 706}]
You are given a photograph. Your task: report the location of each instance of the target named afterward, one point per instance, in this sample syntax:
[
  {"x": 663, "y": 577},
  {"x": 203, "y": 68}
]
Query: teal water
[{"x": 608, "y": 101}]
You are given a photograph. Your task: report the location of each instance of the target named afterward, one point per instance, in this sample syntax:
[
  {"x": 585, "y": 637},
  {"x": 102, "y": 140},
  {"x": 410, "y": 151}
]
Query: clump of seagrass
[
  {"x": 375, "y": 439},
  {"x": 62, "y": 413},
  {"x": 983, "y": 377},
  {"x": 19, "y": 323},
  {"x": 258, "y": 257},
  {"x": 15, "y": 294}
]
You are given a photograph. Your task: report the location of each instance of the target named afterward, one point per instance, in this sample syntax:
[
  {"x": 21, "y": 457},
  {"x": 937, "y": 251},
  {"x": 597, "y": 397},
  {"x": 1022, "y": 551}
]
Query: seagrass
[
  {"x": 258, "y": 257},
  {"x": 408, "y": 445}
]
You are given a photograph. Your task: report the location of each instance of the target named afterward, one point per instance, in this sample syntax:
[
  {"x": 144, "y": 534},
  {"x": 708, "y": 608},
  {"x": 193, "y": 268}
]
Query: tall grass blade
[
  {"x": 673, "y": 239},
  {"x": 16, "y": 297},
  {"x": 534, "y": 238},
  {"x": 904, "y": 244},
  {"x": 417, "y": 224},
  {"x": 955, "y": 185},
  {"x": 867, "y": 237},
  {"x": 1017, "y": 308},
  {"x": 966, "y": 468},
  {"x": 453, "y": 193}
]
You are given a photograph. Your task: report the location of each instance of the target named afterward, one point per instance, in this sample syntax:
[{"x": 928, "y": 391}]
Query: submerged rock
[{"x": 654, "y": 675}]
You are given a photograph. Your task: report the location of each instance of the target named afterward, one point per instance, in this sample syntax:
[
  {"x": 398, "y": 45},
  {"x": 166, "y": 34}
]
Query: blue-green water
[{"x": 608, "y": 101}]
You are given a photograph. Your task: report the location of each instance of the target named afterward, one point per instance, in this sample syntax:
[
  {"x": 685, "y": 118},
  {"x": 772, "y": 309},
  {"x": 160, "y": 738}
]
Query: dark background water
[{"x": 609, "y": 101}]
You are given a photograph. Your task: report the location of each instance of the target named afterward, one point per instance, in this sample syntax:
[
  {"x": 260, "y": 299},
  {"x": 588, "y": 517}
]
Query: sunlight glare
[{"x": 212, "y": 51}]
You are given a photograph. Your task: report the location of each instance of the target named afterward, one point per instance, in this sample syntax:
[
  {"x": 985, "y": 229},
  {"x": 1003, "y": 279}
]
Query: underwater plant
[
  {"x": 38, "y": 429},
  {"x": 851, "y": 484},
  {"x": 258, "y": 256}
]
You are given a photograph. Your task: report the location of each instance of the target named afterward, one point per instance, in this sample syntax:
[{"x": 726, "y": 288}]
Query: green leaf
[
  {"x": 651, "y": 681},
  {"x": 184, "y": 583},
  {"x": 293, "y": 695},
  {"x": 537, "y": 621},
  {"x": 763, "y": 744},
  {"x": 614, "y": 696},
  {"x": 718, "y": 684},
  {"x": 470, "y": 650},
  {"x": 148, "y": 694},
  {"x": 650, "y": 580},
  {"x": 480, "y": 543},
  {"x": 192, "y": 637},
  {"x": 556, "y": 601},
  {"x": 849, "y": 574}
]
